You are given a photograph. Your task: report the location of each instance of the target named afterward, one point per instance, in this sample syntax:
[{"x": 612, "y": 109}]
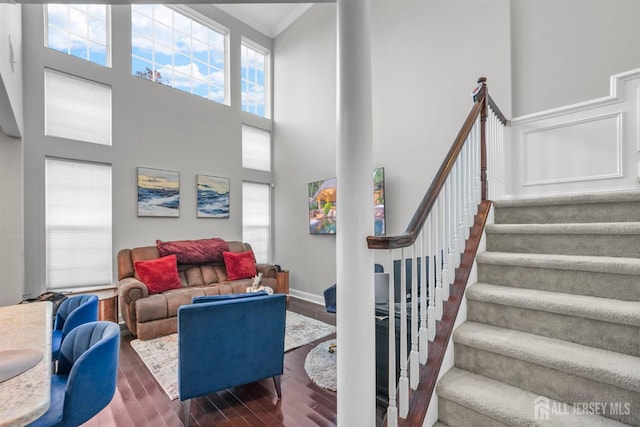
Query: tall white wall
[
  {"x": 11, "y": 239},
  {"x": 564, "y": 51},
  {"x": 11, "y": 261},
  {"x": 426, "y": 59},
  {"x": 11, "y": 69},
  {"x": 153, "y": 126}
]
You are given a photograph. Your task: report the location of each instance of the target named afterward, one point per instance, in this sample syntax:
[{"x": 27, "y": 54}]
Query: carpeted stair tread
[
  {"x": 507, "y": 404},
  {"x": 603, "y": 309},
  {"x": 439, "y": 424},
  {"x": 576, "y": 199},
  {"x": 597, "y": 264},
  {"x": 612, "y": 368},
  {"x": 629, "y": 228}
]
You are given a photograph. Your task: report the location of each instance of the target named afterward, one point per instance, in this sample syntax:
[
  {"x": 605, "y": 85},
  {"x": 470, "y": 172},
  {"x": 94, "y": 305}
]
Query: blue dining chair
[
  {"x": 85, "y": 381},
  {"x": 72, "y": 312}
]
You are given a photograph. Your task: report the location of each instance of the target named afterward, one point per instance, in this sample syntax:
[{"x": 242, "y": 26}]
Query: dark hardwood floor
[{"x": 139, "y": 400}]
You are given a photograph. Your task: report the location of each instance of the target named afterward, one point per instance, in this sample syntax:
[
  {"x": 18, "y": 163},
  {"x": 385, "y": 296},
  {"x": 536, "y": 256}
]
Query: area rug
[
  {"x": 160, "y": 355},
  {"x": 320, "y": 365}
]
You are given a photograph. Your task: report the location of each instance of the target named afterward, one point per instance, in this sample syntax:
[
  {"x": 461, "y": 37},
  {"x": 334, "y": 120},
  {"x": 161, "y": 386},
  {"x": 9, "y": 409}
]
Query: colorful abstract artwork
[
  {"x": 322, "y": 206},
  {"x": 158, "y": 192},
  {"x": 378, "y": 202},
  {"x": 212, "y": 196}
]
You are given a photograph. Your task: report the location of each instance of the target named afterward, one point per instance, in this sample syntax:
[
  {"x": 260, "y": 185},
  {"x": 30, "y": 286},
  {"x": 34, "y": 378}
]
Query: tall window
[
  {"x": 254, "y": 62},
  {"x": 256, "y": 218},
  {"x": 80, "y": 30},
  {"x": 170, "y": 48},
  {"x": 78, "y": 224},
  {"x": 256, "y": 148}
]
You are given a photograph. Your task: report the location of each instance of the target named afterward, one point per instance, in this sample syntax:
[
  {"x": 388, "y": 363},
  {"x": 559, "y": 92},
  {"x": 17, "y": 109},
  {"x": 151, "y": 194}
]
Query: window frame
[
  {"x": 269, "y": 187},
  {"x": 108, "y": 31},
  {"x": 250, "y": 44},
  {"x": 47, "y": 225},
  {"x": 202, "y": 20}
]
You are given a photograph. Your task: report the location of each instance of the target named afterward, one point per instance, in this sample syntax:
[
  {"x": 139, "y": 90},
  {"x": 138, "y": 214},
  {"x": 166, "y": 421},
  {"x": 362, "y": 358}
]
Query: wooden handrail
[{"x": 416, "y": 223}]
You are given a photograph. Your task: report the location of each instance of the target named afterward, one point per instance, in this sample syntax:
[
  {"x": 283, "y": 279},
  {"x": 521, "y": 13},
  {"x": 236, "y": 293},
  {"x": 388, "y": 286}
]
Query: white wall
[
  {"x": 11, "y": 261},
  {"x": 11, "y": 69},
  {"x": 426, "y": 59},
  {"x": 11, "y": 239},
  {"x": 153, "y": 126},
  {"x": 565, "y": 50}
]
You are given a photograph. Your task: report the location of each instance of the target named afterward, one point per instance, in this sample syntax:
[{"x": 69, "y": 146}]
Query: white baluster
[
  {"x": 403, "y": 382},
  {"x": 449, "y": 243},
  {"x": 414, "y": 376},
  {"x": 434, "y": 270},
  {"x": 392, "y": 410},
  {"x": 439, "y": 248},
  {"x": 472, "y": 177},
  {"x": 423, "y": 338}
]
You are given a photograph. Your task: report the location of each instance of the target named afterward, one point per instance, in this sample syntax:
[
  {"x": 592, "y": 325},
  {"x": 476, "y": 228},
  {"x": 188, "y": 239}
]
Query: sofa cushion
[
  {"x": 159, "y": 274},
  {"x": 194, "y": 251},
  {"x": 239, "y": 265}
]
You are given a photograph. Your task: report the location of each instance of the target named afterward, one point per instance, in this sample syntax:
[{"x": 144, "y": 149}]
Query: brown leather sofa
[{"x": 150, "y": 316}]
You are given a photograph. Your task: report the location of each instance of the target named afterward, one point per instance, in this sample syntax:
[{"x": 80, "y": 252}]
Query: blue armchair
[
  {"x": 85, "y": 381},
  {"x": 227, "y": 341},
  {"x": 72, "y": 312}
]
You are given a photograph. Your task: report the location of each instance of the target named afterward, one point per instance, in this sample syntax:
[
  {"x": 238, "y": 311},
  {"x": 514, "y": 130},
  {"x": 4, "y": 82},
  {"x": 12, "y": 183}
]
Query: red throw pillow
[
  {"x": 239, "y": 265},
  {"x": 159, "y": 275}
]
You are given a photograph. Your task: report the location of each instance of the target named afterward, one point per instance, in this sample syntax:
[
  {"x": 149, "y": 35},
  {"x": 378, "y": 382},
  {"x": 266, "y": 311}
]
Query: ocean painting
[
  {"x": 158, "y": 192},
  {"x": 213, "y": 196}
]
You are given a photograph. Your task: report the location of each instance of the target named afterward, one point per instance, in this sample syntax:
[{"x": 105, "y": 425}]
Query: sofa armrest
[
  {"x": 267, "y": 270},
  {"x": 130, "y": 290}
]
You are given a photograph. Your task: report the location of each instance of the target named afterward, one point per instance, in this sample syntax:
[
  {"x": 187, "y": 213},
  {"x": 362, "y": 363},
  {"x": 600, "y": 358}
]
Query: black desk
[{"x": 382, "y": 348}]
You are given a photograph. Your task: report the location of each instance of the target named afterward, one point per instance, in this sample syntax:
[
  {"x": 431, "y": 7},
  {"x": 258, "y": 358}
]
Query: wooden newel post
[{"x": 483, "y": 137}]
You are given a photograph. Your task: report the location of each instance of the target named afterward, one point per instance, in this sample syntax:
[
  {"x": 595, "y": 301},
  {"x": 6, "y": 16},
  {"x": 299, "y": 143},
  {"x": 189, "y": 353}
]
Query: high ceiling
[{"x": 270, "y": 18}]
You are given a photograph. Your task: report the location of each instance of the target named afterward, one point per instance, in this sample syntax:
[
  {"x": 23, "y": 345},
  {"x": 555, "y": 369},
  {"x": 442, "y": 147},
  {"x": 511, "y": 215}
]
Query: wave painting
[
  {"x": 213, "y": 196},
  {"x": 158, "y": 192}
]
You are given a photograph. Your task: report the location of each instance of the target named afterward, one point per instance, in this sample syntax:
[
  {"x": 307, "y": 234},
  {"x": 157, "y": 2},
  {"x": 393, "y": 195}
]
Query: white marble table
[{"x": 25, "y": 397}]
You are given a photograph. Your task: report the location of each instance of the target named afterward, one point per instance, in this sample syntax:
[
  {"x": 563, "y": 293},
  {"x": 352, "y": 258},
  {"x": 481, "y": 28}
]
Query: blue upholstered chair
[
  {"x": 330, "y": 298},
  {"x": 227, "y": 341},
  {"x": 330, "y": 292},
  {"x": 73, "y": 312},
  {"x": 85, "y": 381}
]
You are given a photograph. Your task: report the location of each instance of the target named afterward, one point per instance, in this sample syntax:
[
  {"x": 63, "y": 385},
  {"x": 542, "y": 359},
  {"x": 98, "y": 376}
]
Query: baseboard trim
[{"x": 307, "y": 296}]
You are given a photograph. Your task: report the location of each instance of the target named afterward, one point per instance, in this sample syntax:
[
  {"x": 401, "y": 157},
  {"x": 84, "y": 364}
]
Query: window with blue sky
[
  {"x": 253, "y": 78},
  {"x": 171, "y": 48},
  {"x": 80, "y": 30}
]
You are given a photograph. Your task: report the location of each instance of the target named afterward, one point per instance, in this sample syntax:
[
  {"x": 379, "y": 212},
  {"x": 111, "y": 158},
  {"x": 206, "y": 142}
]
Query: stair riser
[
  {"x": 566, "y": 244},
  {"x": 592, "y": 212},
  {"x": 603, "y": 285},
  {"x": 456, "y": 415},
  {"x": 594, "y": 333},
  {"x": 562, "y": 386}
]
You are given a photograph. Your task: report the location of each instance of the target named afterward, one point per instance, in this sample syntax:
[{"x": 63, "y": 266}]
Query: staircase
[{"x": 552, "y": 336}]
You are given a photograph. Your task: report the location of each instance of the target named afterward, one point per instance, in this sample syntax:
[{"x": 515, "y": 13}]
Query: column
[{"x": 355, "y": 291}]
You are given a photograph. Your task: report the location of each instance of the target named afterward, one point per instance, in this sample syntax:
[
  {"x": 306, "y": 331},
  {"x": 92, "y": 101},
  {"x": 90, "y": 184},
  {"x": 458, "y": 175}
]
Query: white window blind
[
  {"x": 76, "y": 108},
  {"x": 256, "y": 218},
  {"x": 256, "y": 148},
  {"x": 78, "y": 224}
]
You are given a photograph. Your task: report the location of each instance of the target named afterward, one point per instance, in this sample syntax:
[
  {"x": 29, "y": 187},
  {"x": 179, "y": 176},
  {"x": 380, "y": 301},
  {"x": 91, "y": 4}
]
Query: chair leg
[
  {"x": 276, "y": 382},
  {"x": 187, "y": 411}
]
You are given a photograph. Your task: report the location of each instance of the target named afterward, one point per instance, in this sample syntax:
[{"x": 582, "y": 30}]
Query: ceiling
[{"x": 268, "y": 18}]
